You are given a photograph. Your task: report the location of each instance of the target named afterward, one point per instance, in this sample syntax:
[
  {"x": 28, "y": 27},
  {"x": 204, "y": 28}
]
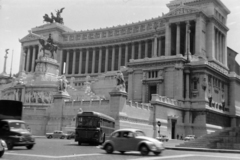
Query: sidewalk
[{"x": 172, "y": 143}]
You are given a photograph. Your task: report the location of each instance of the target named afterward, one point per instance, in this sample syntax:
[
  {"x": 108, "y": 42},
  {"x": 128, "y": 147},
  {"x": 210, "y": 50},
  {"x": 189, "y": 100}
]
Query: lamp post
[{"x": 159, "y": 124}]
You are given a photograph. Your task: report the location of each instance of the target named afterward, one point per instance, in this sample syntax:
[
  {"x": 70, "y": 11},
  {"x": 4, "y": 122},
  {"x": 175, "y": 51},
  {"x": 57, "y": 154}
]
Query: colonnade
[
  {"x": 101, "y": 59},
  {"x": 29, "y": 56},
  {"x": 219, "y": 46}
]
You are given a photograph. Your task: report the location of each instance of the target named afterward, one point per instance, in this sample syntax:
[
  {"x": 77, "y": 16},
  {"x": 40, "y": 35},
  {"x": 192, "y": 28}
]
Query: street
[{"x": 46, "y": 149}]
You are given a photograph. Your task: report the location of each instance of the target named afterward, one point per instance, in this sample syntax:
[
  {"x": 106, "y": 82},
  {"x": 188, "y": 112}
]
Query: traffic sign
[{"x": 159, "y": 123}]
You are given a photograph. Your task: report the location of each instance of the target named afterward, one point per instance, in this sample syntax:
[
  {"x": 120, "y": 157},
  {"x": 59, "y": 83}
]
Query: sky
[{"x": 17, "y": 17}]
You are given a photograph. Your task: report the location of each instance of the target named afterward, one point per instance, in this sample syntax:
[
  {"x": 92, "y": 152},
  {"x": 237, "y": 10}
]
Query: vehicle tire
[
  {"x": 62, "y": 137},
  {"x": 49, "y": 137},
  {"x": 30, "y": 146},
  {"x": 1, "y": 153},
  {"x": 166, "y": 140},
  {"x": 79, "y": 143},
  {"x": 9, "y": 144},
  {"x": 122, "y": 152},
  {"x": 144, "y": 150},
  {"x": 109, "y": 148},
  {"x": 68, "y": 138},
  {"x": 157, "y": 153}
]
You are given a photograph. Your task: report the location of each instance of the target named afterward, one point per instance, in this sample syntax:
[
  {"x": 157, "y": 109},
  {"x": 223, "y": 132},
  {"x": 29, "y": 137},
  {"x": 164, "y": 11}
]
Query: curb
[{"x": 203, "y": 149}]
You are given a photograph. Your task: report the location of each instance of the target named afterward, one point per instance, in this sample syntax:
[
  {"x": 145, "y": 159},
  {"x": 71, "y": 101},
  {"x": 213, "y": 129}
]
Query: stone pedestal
[
  {"x": 56, "y": 112},
  {"x": 117, "y": 102}
]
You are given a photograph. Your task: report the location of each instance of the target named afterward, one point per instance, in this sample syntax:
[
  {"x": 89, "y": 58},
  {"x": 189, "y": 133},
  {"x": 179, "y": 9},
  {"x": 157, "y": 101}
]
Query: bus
[{"x": 93, "y": 127}]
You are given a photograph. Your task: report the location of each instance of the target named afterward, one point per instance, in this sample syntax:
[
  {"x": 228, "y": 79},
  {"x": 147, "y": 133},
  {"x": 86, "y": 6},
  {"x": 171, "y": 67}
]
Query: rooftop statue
[
  {"x": 57, "y": 18},
  {"x": 50, "y": 46}
]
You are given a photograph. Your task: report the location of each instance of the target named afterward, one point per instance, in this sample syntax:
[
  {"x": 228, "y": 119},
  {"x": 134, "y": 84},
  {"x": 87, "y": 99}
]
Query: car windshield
[
  {"x": 139, "y": 133},
  {"x": 87, "y": 121},
  {"x": 17, "y": 125}
]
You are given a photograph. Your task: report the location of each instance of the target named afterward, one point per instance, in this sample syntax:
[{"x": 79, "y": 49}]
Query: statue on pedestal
[
  {"x": 49, "y": 46},
  {"x": 62, "y": 85},
  {"x": 120, "y": 82}
]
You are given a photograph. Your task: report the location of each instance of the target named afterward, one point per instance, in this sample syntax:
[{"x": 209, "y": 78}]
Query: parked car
[
  {"x": 189, "y": 137},
  {"x": 124, "y": 140},
  {"x": 71, "y": 135},
  {"x": 57, "y": 134},
  {"x": 3, "y": 147},
  {"x": 162, "y": 138}
]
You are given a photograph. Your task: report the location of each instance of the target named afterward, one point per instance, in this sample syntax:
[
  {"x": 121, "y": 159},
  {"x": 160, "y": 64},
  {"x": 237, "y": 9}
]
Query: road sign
[{"x": 159, "y": 123}]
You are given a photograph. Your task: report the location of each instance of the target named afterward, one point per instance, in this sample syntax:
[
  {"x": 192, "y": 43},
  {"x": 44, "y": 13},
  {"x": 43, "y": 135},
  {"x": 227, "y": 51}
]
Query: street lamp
[{"x": 159, "y": 124}]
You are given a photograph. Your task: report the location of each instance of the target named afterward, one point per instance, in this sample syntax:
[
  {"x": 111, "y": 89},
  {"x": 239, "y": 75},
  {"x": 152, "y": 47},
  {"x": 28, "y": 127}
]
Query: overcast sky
[{"x": 17, "y": 17}]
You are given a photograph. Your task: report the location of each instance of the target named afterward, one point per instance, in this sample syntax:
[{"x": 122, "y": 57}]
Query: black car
[{"x": 71, "y": 135}]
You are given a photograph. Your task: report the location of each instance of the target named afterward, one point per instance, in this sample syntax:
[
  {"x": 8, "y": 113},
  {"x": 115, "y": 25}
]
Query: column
[
  {"x": 106, "y": 60},
  {"x": 225, "y": 51},
  {"x": 178, "y": 38},
  {"x": 210, "y": 40},
  {"x": 168, "y": 39},
  {"x": 74, "y": 61},
  {"x": 21, "y": 64},
  {"x": 186, "y": 38},
  {"x": 187, "y": 84},
  {"x": 100, "y": 60},
  {"x": 220, "y": 48},
  {"x": 160, "y": 46},
  {"x": 139, "y": 50},
  {"x": 33, "y": 58},
  {"x": 87, "y": 57},
  {"x": 113, "y": 57},
  {"x": 28, "y": 58},
  {"x": 93, "y": 60},
  {"x": 133, "y": 50},
  {"x": 146, "y": 48},
  {"x": 155, "y": 46},
  {"x": 67, "y": 61},
  {"x": 217, "y": 46},
  {"x": 60, "y": 61},
  {"x": 126, "y": 54},
  {"x": 198, "y": 37},
  {"x": 80, "y": 61},
  {"x": 119, "y": 56}
]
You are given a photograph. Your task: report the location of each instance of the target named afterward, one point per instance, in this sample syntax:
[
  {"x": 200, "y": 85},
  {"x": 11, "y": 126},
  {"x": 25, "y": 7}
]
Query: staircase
[{"x": 223, "y": 139}]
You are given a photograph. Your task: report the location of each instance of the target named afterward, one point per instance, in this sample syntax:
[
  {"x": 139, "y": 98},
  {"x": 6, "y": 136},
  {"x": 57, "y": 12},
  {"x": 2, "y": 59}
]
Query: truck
[{"x": 13, "y": 130}]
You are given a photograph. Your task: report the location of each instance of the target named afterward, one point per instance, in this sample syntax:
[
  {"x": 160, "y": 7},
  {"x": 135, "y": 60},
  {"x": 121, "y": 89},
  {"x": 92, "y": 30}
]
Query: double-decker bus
[{"x": 93, "y": 127}]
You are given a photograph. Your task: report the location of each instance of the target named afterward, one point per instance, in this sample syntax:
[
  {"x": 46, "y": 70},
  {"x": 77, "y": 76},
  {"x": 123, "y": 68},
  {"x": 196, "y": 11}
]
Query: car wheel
[
  {"x": 9, "y": 144},
  {"x": 122, "y": 152},
  {"x": 49, "y": 137},
  {"x": 157, "y": 153},
  {"x": 144, "y": 150},
  {"x": 30, "y": 146},
  {"x": 1, "y": 153},
  {"x": 166, "y": 140},
  {"x": 109, "y": 148},
  {"x": 62, "y": 137},
  {"x": 79, "y": 143}
]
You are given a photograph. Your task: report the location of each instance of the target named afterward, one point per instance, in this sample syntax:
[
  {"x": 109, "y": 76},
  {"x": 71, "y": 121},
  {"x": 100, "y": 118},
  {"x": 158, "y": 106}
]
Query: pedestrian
[{"x": 177, "y": 136}]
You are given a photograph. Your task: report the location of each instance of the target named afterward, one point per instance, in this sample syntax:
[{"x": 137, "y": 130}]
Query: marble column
[
  {"x": 133, "y": 50},
  {"x": 146, "y": 48},
  {"x": 93, "y": 60},
  {"x": 139, "y": 49},
  {"x": 67, "y": 62},
  {"x": 186, "y": 38},
  {"x": 160, "y": 46},
  {"x": 155, "y": 46},
  {"x": 80, "y": 61},
  {"x": 60, "y": 52},
  {"x": 211, "y": 41},
  {"x": 106, "y": 60},
  {"x": 28, "y": 58},
  {"x": 187, "y": 84},
  {"x": 198, "y": 36},
  {"x": 217, "y": 46},
  {"x": 119, "y": 56},
  {"x": 74, "y": 61},
  {"x": 100, "y": 60},
  {"x": 113, "y": 57},
  {"x": 33, "y": 58},
  {"x": 87, "y": 59},
  {"x": 21, "y": 64},
  {"x": 126, "y": 54},
  {"x": 225, "y": 50},
  {"x": 178, "y": 38},
  {"x": 168, "y": 39}
]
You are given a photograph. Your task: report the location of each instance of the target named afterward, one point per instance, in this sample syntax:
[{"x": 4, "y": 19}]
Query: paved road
[{"x": 49, "y": 149}]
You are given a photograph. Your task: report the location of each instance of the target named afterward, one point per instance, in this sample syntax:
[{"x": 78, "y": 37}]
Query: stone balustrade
[
  {"x": 166, "y": 100},
  {"x": 145, "y": 106}
]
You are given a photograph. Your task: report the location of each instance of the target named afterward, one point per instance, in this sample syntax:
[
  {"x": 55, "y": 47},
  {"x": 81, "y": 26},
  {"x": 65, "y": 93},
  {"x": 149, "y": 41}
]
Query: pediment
[
  {"x": 182, "y": 10},
  {"x": 29, "y": 37}
]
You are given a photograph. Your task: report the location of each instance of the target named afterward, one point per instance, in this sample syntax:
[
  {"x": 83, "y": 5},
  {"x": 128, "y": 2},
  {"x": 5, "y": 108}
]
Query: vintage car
[
  {"x": 162, "y": 138},
  {"x": 57, "y": 134},
  {"x": 3, "y": 147},
  {"x": 124, "y": 140},
  {"x": 190, "y": 137},
  {"x": 71, "y": 135}
]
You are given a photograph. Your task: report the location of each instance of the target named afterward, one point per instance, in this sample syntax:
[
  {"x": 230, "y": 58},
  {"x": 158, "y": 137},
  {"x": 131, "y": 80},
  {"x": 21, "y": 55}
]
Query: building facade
[{"x": 177, "y": 71}]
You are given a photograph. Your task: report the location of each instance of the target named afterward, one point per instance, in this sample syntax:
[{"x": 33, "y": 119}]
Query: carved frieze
[{"x": 181, "y": 11}]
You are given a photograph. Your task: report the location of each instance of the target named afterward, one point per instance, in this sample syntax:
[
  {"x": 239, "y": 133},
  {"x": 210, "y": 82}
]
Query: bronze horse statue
[
  {"x": 46, "y": 18},
  {"x": 58, "y": 18},
  {"x": 48, "y": 46}
]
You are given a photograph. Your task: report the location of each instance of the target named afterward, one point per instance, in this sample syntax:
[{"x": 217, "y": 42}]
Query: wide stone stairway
[{"x": 228, "y": 138}]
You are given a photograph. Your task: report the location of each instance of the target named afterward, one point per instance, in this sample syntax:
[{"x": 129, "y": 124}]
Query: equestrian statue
[
  {"x": 57, "y": 18},
  {"x": 49, "y": 45}
]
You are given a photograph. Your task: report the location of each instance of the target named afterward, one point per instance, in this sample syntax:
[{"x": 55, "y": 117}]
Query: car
[
  {"x": 162, "y": 138},
  {"x": 71, "y": 135},
  {"x": 57, "y": 134},
  {"x": 3, "y": 147},
  {"x": 190, "y": 137},
  {"x": 124, "y": 140}
]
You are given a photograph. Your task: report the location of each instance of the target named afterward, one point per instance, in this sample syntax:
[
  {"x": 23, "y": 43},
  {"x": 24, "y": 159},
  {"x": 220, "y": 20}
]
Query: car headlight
[{"x": 153, "y": 147}]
